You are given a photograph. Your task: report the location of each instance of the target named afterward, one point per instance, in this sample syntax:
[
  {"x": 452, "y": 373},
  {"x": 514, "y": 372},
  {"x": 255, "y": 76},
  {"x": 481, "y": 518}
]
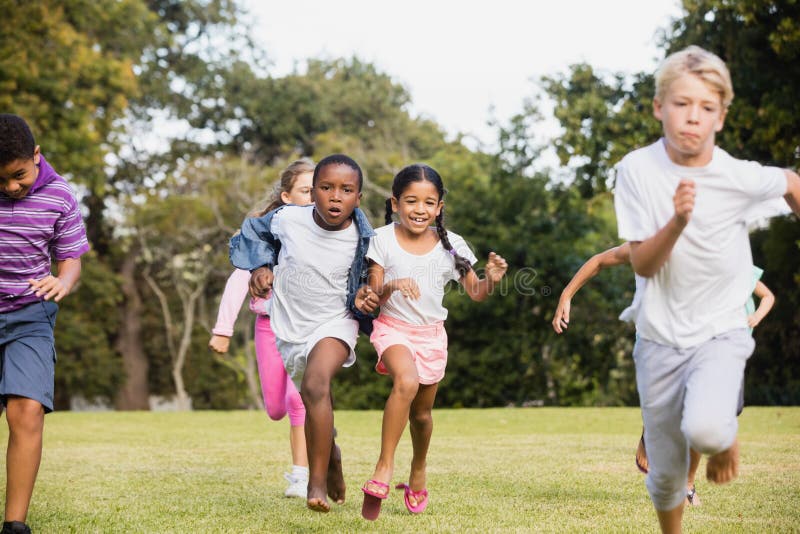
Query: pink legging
[{"x": 280, "y": 395}]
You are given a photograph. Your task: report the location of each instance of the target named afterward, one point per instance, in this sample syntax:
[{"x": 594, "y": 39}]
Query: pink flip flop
[
  {"x": 371, "y": 508},
  {"x": 420, "y": 496}
]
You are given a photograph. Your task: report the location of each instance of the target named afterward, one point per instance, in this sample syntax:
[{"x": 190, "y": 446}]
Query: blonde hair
[
  {"x": 285, "y": 183},
  {"x": 700, "y": 62}
]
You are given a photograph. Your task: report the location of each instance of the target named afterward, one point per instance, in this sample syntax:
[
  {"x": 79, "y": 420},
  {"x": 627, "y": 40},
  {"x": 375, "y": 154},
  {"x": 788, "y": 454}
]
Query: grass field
[{"x": 497, "y": 470}]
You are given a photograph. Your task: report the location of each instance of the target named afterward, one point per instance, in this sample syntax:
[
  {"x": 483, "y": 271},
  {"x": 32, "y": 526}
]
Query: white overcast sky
[{"x": 460, "y": 59}]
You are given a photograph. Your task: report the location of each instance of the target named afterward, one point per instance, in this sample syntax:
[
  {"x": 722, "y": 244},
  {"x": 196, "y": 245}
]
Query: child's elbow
[
  {"x": 644, "y": 270},
  {"x": 480, "y": 292}
]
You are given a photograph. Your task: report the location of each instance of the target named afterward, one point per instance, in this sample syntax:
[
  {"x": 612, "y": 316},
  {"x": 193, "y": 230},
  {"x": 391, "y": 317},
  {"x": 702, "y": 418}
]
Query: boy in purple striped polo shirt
[{"x": 39, "y": 223}]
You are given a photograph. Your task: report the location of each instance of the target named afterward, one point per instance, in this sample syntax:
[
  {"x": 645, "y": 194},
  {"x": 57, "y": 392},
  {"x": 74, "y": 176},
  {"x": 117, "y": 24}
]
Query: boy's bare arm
[
  {"x": 792, "y": 195},
  {"x": 68, "y": 272},
  {"x": 648, "y": 256}
]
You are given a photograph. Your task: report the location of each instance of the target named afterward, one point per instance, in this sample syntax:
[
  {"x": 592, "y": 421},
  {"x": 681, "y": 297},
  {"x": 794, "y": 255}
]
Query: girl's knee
[
  {"x": 406, "y": 385},
  {"x": 420, "y": 418},
  {"x": 276, "y": 413}
]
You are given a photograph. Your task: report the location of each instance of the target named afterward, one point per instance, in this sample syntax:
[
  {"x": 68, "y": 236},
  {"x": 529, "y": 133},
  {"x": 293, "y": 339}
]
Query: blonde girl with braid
[
  {"x": 411, "y": 263},
  {"x": 280, "y": 395}
]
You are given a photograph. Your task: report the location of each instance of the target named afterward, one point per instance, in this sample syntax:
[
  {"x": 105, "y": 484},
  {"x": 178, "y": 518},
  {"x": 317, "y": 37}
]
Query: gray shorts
[
  {"x": 28, "y": 353},
  {"x": 689, "y": 399},
  {"x": 295, "y": 355}
]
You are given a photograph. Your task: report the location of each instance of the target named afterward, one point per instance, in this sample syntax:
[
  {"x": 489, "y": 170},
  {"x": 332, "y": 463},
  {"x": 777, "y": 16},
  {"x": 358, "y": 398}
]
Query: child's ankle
[{"x": 300, "y": 471}]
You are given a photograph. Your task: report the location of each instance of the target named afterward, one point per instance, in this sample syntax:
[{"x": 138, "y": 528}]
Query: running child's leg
[
  {"x": 712, "y": 392},
  {"x": 324, "y": 457},
  {"x": 270, "y": 369},
  {"x": 405, "y": 383},
  {"x": 25, "y": 419},
  {"x": 691, "y": 492},
  {"x": 421, "y": 420},
  {"x": 297, "y": 420},
  {"x": 660, "y": 377},
  {"x": 298, "y": 478}
]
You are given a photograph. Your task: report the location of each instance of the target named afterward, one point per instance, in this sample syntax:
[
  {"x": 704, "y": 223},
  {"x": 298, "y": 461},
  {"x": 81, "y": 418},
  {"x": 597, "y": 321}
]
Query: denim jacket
[{"x": 255, "y": 247}]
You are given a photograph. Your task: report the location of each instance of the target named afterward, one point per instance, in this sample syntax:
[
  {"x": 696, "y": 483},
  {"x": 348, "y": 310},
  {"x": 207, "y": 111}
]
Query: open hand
[
  {"x": 50, "y": 286},
  {"x": 496, "y": 267},
  {"x": 684, "y": 201},
  {"x": 366, "y": 300},
  {"x": 261, "y": 282}
]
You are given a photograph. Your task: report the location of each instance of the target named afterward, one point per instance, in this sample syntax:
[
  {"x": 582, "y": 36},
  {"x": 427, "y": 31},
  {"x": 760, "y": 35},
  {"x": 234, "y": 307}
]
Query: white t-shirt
[
  {"x": 701, "y": 289},
  {"x": 431, "y": 271},
  {"x": 310, "y": 286},
  {"x": 629, "y": 314},
  {"x": 758, "y": 216}
]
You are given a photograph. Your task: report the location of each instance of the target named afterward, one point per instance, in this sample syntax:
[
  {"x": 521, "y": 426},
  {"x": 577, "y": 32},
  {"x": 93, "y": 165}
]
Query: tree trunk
[
  {"x": 552, "y": 396},
  {"x": 189, "y": 307},
  {"x": 134, "y": 393}
]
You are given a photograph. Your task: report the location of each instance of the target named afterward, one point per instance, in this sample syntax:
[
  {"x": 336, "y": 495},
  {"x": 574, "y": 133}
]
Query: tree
[
  {"x": 759, "y": 40},
  {"x": 182, "y": 231},
  {"x": 66, "y": 67},
  {"x": 544, "y": 230},
  {"x": 603, "y": 118}
]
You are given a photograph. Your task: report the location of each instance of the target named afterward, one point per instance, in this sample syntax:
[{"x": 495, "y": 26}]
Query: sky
[{"x": 464, "y": 62}]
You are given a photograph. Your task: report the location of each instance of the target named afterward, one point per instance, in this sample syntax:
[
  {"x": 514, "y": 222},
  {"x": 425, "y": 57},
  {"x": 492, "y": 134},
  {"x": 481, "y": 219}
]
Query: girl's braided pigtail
[
  {"x": 389, "y": 211},
  {"x": 462, "y": 264}
]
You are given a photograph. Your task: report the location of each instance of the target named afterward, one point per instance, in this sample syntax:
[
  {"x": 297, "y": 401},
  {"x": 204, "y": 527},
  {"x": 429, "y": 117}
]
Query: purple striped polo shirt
[{"x": 45, "y": 224}]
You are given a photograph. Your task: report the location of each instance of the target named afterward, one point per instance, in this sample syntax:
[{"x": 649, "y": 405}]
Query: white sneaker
[{"x": 298, "y": 487}]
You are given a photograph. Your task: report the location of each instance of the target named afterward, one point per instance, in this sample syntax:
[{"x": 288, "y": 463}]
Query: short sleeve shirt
[
  {"x": 431, "y": 271},
  {"x": 701, "y": 289},
  {"x": 43, "y": 226},
  {"x": 310, "y": 286}
]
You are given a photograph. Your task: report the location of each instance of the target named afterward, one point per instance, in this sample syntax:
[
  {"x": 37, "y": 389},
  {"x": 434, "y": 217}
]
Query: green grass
[{"x": 497, "y": 470}]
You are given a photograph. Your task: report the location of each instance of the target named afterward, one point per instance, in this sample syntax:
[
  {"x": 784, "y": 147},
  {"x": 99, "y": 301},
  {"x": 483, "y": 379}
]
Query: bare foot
[
  {"x": 641, "y": 456},
  {"x": 336, "y": 487},
  {"x": 316, "y": 502},
  {"x": 724, "y": 466}
]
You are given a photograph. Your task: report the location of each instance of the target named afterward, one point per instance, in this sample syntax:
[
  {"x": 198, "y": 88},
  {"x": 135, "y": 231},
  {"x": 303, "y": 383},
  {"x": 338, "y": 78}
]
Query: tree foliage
[
  {"x": 167, "y": 120},
  {"x": 759, "y": 40}
]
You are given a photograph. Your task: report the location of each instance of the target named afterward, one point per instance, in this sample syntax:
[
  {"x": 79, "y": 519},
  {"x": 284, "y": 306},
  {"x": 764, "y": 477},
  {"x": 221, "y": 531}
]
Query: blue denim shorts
[{"x": 28, "y": 353}]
